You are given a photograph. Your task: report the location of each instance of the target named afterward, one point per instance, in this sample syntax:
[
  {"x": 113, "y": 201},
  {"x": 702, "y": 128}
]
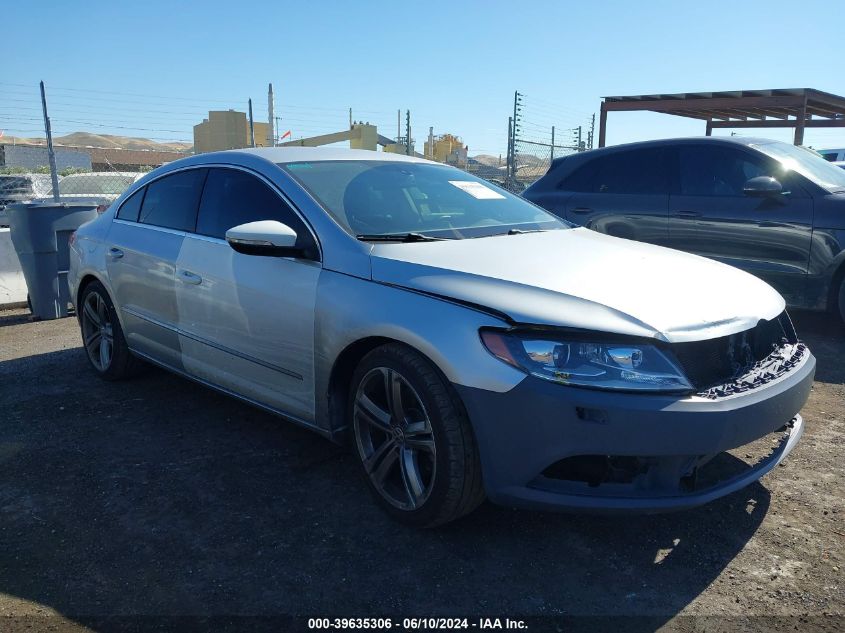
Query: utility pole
[
  {"x": 552, "y": 157},
  {"x": 51, "y": 156},
  {"x": 271, "y": 121},
  {"x": 350, "y": 118},
  {"x": 509, "y": 157},
  {"x": 408, "y": 132},
  {"x": 430, "y": 144},
  {"x": 398, "y": 125},
  {"x": 579, "y": 139},
  {"x": 517, "y": 100},
  {"x": 592, "y": 130},
  {"x": 251, "y": 127}
]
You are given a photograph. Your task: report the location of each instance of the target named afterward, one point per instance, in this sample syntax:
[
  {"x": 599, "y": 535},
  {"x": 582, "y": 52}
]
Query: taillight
[{"x": 102, "y": 207}]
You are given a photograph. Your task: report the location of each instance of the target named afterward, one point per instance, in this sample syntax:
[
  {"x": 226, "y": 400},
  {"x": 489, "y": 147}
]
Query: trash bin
[{"x": 40, "y": 232}]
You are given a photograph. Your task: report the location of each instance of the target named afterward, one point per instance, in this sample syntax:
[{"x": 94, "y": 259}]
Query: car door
[
  {"x": 624, "y": 193},
  {"x": 143, "y": 245},
  {"x": 246, "y": 322},
  {"x": 710, "y": 215}
]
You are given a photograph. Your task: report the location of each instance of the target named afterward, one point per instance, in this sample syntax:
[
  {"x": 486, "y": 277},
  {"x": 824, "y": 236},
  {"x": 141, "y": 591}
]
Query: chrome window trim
[
  {"x": 152, "y": 227},
  {"x": 205, "y": 341}
]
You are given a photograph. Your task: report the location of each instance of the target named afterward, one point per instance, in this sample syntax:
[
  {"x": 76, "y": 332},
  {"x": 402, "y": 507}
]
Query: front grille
[{"x": 721, "y": 360}]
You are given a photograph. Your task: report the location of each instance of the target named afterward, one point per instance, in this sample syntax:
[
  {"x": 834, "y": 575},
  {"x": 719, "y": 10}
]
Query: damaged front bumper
[{"x": 546, "y": 445}]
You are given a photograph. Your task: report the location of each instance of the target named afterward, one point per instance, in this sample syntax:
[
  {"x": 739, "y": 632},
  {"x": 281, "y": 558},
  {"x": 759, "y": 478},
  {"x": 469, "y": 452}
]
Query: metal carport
[{"x": 799, "y": 108}]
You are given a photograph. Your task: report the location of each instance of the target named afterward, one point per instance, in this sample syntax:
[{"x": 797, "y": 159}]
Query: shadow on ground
[
  {"x": 158, "y": 496},
  {"x": 824, "y": 334}
]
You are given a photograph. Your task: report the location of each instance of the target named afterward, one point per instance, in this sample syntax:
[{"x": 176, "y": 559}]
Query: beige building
[{"x": 227, "y": 129}]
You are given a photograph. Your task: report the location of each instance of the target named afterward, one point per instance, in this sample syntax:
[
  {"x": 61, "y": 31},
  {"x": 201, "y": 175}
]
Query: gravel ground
[{"x": 158, "y": 497}]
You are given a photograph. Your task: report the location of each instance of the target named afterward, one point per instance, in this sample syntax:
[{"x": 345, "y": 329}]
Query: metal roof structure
[{"x": 789, "y": 107}]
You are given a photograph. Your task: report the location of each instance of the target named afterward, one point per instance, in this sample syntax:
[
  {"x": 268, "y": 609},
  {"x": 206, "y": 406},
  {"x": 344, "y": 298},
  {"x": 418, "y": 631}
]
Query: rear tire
[
  {"x": 414, "y": 441},
  {"x": 102, "y": 337}
]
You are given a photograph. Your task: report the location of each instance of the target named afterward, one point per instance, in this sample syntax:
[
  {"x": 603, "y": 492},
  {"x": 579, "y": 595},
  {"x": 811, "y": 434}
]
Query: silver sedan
[{"x": 461, "y": 339}]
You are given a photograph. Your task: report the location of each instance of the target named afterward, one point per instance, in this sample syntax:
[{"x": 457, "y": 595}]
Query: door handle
[
  {"x": 190, "y": 278},
  {"x": 582, "y": 210},
  {"x": 115, "y": 253},
  {"x": 687, "y": 214}
]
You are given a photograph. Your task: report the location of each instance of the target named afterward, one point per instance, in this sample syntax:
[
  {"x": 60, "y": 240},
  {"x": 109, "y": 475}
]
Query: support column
[
  {"x": 799, "y": 124},
  {"x": 602, "y": 124},
  {"x": 709, "y": 130}
]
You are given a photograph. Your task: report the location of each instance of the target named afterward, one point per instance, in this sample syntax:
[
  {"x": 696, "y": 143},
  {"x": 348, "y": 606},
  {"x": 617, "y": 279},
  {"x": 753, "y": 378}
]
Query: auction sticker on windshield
[{"x": 477, "y": 189}]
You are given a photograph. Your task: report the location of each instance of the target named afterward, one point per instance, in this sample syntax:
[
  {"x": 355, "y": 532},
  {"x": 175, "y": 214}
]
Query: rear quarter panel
[{"x": 87, "y": 257}]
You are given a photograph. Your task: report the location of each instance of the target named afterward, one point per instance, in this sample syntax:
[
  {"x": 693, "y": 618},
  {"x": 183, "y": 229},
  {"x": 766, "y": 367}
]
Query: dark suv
[{"x": 772, "y": 209}]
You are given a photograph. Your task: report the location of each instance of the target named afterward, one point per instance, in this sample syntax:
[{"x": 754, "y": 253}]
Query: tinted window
[
  {"x": 232, "y": 197},
  {"x": 172, "y": 201},
  {"x": 131, "y": 206},
  {"x": 632, "y": 172},
  {"x": 718, "y": 171},
  {"x": 580, "y": 179}
]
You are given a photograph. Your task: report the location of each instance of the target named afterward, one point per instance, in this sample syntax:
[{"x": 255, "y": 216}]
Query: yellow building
[
  {"x": 446, "y": 148},
  {"x": 227, "y": 129}
]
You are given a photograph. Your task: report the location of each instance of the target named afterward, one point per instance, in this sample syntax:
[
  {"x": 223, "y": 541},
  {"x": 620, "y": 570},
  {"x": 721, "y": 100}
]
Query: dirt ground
[{"x": 160, "y": 498}]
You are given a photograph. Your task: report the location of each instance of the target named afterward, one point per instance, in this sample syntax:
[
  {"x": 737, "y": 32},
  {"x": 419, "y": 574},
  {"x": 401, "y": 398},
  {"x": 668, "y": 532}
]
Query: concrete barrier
[{"x": 12, "y": 283}]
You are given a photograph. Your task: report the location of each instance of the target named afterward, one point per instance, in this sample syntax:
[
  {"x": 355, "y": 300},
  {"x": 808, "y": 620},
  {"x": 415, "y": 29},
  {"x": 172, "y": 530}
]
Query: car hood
[{"x": 581, "y": 279}]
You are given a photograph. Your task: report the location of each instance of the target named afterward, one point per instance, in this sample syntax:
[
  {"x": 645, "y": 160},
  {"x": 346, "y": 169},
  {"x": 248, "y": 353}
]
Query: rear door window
[
  {"x": 642, "y": 172},
  {"x": 131, "y": 207},
  {"x": 580, "y": 180},
  {"x": 171, "y": 202},
  {"x": 232, "y": 197}
]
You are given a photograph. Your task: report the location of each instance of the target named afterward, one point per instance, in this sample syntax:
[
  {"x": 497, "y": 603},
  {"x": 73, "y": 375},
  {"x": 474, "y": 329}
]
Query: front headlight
[{"x": 587, "y": 363}]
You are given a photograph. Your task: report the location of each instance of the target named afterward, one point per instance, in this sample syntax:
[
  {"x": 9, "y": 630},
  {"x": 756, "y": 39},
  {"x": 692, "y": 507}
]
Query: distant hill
[
  {"x": 109, "y": 141},
  {"x": 523, "y": 159},
  {"x": 486, "y": 159}
]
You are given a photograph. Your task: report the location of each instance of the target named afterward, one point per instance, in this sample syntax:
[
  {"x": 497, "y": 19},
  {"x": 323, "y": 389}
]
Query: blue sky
[{"x": 153, "y": 68}]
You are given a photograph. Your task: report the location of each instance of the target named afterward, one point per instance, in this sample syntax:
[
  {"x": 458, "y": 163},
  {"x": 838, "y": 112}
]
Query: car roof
[
  {"x": 315, "y": 154},
  {"x": 714, "y": 140}
]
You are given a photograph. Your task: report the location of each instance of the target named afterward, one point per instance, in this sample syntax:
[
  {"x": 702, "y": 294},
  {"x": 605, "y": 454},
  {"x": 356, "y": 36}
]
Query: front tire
[
  {"x": 102, "y": 336},
  {"x": 841, "y": 303},
  {"x": 413, "y": 438}
]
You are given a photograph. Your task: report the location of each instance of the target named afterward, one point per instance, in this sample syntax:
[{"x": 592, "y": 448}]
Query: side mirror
[
  {"x": 763, "y": 187},
  {"x": 265, "y": 237}
]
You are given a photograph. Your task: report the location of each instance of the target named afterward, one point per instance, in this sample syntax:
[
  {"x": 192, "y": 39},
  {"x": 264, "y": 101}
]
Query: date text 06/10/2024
[{"x": 415, "y": 624}]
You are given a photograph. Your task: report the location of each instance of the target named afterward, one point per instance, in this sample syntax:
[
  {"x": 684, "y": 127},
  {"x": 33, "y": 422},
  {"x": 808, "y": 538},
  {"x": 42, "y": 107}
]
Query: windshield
[
  {"x": 807, "y": 163},
  {"x": 372, "y": 198}
]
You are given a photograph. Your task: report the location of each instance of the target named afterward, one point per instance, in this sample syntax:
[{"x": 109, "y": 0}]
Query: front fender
[{"x": 351, "y": 309}]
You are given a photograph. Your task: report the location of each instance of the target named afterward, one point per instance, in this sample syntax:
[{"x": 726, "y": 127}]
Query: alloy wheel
[
  {"x": 395, "y": 438},
  {"x": 97, "y": 331}
]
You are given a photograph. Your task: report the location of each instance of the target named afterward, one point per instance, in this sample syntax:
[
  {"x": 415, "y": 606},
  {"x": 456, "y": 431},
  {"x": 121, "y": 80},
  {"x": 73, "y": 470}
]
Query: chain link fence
[
  {"x": 97, "y": 167},
  {"x": 25, "y": 177}
]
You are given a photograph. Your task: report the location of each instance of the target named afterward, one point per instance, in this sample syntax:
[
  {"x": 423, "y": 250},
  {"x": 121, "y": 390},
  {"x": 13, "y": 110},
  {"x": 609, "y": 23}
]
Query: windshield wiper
[
  {"x": 520, "y": 231},
  {"x": 398, "y": 237}
]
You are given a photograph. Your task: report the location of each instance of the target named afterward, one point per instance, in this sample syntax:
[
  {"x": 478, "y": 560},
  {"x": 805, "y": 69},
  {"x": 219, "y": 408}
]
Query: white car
[
  {"x": 100, "y": 188},
  {"x": 463, "y": 340},
  {"x": 15, "y": 188}
]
